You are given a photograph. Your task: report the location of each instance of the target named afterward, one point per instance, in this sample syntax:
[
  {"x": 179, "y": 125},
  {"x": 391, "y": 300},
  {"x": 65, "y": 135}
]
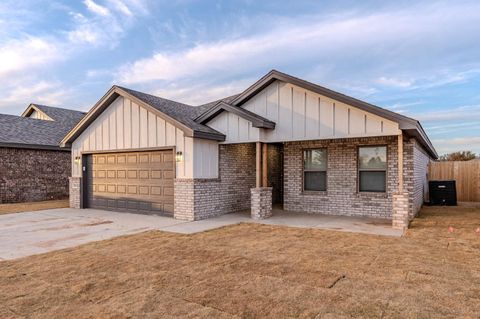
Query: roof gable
[
  {"x": 409, "y": 125},
  {"x": 257, "y": 120},
  {"x": 175, "y": 113}
]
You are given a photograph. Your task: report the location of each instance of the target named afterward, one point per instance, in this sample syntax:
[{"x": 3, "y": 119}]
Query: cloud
[
  {"x": 370, "y": 43},
  {"x": 50, "y": 93},
  {"x": 23, "y": 54},
  {"x": 448, "y": 145},
  {"x": 189, "y": 93},
  {"x": 459, "y": 113},
  {"x": 395, "y": 82},
  {"x": 96, "y": 8},
  {"x": 121, "y": 7}
]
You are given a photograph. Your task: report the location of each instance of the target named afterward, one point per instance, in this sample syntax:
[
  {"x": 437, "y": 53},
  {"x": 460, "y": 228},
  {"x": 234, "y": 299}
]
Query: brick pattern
[
  {"x": 197, "y": 199},
  {"x": 400, "y": 216},
  {"x": 33, "y": 175},
  {"x": 341, "y": 197},
  {"x": 420, "y": 178},
  {"x": 75, "y": 184},
  {"x": 275, "y": 171},
  {"x": 261, "y": 206}
]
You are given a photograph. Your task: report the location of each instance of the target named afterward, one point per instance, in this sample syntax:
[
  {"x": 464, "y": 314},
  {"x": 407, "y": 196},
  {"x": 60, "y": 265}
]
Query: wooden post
[
  {"x": 258, "y": 164},
  {"x": 264, "y": 165},
  {"x": 400, "y": 163}
]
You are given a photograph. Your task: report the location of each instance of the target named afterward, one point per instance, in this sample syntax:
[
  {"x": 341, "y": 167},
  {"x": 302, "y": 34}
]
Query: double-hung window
[
  {"x": 372, "y": 169},
  {"x": 315, "y": 170}
]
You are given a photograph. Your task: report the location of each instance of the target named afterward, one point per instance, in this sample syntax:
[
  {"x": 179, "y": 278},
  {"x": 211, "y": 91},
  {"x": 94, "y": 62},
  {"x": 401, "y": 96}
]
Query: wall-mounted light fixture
[
  {"x": 179, "y": 156},
  {"x": 77, "y": 160}
]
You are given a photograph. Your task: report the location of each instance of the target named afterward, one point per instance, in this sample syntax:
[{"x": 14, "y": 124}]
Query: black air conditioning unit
[{"x": 443, "y": 193}]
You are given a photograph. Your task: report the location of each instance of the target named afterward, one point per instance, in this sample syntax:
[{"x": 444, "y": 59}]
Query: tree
[{"x": 458, "y": 156}]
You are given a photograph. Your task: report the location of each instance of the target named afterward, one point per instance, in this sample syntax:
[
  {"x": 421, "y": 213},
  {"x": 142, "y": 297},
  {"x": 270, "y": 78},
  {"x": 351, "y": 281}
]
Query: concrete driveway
[
  {"x": 30, "y": 233},
  {"x": 24, "y": 234}
]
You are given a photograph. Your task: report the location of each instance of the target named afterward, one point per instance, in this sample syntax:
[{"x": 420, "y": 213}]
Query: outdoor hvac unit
[{"x": 443, "y": 193}]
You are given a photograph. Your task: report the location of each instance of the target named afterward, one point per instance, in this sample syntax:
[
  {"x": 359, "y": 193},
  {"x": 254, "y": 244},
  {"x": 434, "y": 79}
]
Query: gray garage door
[{"x": 139, "y": 182}]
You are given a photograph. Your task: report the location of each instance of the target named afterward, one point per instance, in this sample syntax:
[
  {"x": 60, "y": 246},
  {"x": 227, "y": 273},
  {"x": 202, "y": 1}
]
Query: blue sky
[{"x": 421, "y": 59}]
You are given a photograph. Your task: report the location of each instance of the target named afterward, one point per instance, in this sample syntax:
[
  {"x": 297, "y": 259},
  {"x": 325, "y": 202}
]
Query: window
[
  {"x": 315, "y": 170},
  {"x": 372, "y": 169}
]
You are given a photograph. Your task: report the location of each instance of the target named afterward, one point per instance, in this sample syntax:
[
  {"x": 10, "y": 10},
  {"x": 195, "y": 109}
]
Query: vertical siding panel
[
  {"x": 152, "y": 129},
  {"x": 170, "y": 134},
  {"x": 93, "y": 140},
  {"x": 161, "y": 140},
  {"x": 135, "y": 120},
  {"x": 112, "y": 123},
  {"x": 311, "y": 115},
  {"x": 357, "y": 122},
  {"x": 120, "y": 127},
  {"x": 326, "y": 118},
  {"x": 105, "y": 131},
  {"x": 143, "y": 127},
  {"x": 285, "y": 111},
  {"x": 180, "y": 142},
  {"x": 243, "y": 130},
  {"x": 298, "y": 112},
  {"x": 373, "y": 125},
  {"x": 127, "y": 120},
  {"x": 232, "y": 125},
  {"x": 189, "y": 154}
]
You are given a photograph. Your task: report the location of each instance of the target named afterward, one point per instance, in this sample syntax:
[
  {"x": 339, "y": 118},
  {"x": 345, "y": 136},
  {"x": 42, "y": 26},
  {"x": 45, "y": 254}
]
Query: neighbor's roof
[
  {"x": 25, "y": 132},
  {"x": 68, "y": 117},
  {"x": 192, "y": 119}
]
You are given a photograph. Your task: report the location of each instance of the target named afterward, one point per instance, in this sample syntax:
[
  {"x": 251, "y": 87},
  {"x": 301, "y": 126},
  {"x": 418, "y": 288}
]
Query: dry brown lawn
[
  {"x": 258, "y": 271},
  {"x": 32, "y": 206}
]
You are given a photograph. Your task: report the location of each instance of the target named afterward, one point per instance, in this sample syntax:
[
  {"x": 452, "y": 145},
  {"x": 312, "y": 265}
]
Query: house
[
  {"x": 282, "y": 141},
  {"x": 33, "y": 167}
]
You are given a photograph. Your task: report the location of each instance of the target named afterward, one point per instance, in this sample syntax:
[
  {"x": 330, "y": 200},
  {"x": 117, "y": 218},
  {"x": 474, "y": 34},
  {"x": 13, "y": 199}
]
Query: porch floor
[{"x": 296, "y": 219}]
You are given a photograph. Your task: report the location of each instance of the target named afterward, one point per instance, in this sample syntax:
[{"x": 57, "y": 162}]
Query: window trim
[
  {"x": 306, "y": 191},
  {"x": 372, "y": 170}
]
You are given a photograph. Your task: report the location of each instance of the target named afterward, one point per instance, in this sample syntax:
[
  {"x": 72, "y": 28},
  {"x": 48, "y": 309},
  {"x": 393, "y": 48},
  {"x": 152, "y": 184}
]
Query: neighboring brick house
[
  {"x": 33, "y": 167},
  {"x": 283, "y": 141}
]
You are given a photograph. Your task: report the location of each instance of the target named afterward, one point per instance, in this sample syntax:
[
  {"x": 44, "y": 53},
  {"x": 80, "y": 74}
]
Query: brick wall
[
  {"x": 341, "y": 197},
  {"x": 420, "y": 182},
  {"x": 275, "y": 171},
  {"x": 33, "y": 175},
  {"x": 75, "y": 192},
  {"x": 204, "y": 198}
]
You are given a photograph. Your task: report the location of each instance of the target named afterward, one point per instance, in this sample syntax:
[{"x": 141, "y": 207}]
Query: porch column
[
  {"x": 400, "y": 203},
  {"x": 261, "y": 195}
]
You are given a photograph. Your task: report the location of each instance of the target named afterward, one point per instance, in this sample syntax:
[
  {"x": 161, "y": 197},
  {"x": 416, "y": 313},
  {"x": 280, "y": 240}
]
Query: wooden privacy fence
[{"x": 466, "y": 174}]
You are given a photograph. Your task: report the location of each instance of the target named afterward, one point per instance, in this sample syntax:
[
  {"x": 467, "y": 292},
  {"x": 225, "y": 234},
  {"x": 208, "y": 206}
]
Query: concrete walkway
[{"x": 24, "y": 234}]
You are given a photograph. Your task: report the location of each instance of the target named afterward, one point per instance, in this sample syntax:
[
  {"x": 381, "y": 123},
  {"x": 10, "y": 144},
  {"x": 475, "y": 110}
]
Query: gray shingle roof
[
  {"x": 66, "y": 116},
  {"x": 18, "y": 131},
  {"x": 181, "y": 112}
]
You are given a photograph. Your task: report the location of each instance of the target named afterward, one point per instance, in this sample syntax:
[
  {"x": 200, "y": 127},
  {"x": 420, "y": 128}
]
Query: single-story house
[
  {"x": 33, "y": 166},
  {"x": 282, "y": 141}
]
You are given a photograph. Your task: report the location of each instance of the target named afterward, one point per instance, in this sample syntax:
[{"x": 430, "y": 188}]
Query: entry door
[{"x": 137, "y": 182}]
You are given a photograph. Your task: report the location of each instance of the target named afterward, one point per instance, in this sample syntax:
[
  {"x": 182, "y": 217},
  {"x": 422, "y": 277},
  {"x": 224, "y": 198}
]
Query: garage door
[{"x": 139, "y": 182}]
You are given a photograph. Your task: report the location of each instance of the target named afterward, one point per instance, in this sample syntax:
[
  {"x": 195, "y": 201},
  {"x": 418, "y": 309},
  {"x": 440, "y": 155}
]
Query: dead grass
[
  {"x": 258, "y": 271},
  {"x": 32, "y": 206}
]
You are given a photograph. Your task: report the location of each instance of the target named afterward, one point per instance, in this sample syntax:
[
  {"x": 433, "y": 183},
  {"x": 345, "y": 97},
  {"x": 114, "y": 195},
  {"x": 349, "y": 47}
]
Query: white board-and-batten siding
[
  {"x": 126, "y": 125},
  {"x": 300, "y": 114}
]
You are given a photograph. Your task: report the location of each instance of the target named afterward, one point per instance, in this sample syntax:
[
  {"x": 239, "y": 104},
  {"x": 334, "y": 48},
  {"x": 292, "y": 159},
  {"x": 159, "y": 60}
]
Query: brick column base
[
  {"x": 261, "y": 202},
  {"x": 400, "y": 219},
  {"x": 75, "y": 192}
]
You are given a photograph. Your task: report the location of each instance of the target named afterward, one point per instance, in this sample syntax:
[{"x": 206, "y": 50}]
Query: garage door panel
[{"x": 136, "y": 182}]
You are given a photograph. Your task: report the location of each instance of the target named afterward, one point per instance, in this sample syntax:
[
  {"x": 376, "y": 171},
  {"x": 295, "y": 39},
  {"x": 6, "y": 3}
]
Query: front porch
[{"x": 339, "y": 194}]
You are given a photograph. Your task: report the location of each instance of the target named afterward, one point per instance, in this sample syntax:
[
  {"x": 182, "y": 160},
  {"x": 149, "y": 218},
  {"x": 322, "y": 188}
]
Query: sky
[{"x": 418, "y": 58}]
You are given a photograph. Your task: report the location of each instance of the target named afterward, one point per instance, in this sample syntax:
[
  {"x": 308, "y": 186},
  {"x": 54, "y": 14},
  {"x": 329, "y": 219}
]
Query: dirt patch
[
  {"x": 258, "y": 271},
  {"x": 96, "y": 223},
  {"x": 32, "y": 206}
]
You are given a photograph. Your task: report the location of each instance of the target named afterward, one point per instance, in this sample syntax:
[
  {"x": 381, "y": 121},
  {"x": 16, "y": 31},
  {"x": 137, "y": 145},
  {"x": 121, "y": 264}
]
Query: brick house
[
  {"x": 33, "y": 167},
  {"x": 282, "y": 141}
]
